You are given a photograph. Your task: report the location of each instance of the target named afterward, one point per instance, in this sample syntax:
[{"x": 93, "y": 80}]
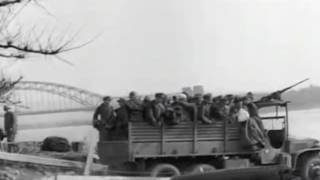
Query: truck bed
[{"x": 184, "y": 139}]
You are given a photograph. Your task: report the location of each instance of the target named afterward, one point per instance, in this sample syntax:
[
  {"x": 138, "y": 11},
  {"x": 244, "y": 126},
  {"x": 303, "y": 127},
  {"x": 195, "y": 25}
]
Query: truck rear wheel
[
  {"x": 164, "y": 170},
  {"x": 199, "y": 168},
  {"x": 310, "y": 167}
]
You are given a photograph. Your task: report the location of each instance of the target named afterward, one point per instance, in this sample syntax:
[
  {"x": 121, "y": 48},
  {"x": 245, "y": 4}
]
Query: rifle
[{"x": 277, "y": 94}]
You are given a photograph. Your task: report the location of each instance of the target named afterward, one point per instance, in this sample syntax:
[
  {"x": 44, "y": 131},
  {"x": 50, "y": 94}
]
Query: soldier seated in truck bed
[
  {"x": 135, "y": 107},
  {"x": 204, "y": 108},
  {"x": 121, "y": 122},
  {"x": 154, "y": 110},
  {"x": 183, "y": 110},
  {"x": 172, "y": 112}
]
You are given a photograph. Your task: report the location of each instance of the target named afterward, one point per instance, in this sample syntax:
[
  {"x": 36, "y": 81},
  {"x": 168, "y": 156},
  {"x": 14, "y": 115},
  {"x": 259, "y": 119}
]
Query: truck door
[{"x": 274, "y": 121}]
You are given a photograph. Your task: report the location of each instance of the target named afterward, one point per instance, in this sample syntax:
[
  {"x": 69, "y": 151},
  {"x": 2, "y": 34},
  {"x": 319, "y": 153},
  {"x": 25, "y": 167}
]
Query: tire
[
  {"x": 199, "y": 169},
  {"x": 310, "y": 167},
  {"x": 164, "y": 170}
]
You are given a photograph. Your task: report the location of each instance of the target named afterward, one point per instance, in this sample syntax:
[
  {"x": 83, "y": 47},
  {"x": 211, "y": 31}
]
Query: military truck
[{"x": 193, "y": 147}]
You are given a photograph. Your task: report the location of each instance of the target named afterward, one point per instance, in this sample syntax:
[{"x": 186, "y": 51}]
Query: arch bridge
[{"x": 36, "y": 97}]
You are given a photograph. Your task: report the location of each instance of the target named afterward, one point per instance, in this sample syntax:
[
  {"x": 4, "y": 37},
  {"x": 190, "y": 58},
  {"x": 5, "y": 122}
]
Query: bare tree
[
  {"x": 13, "y": 44},
  {"x": 16, "y": 43}
]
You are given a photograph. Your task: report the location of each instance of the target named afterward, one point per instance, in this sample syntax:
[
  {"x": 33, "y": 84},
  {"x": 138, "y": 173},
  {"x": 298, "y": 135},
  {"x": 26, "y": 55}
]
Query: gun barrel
[
  {"x": 287, "y": 88},
  {"x": 300, "y": 82}
]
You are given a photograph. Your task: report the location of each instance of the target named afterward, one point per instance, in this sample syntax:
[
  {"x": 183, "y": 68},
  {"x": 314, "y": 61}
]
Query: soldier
[
  {"x": 174, "y": 99},
  {"x": 196, "y": 99},
  {"x": 135, "y": 107},
  {"x": 252, "y": 107},
  {"x": 251, "y": 135},
  {"x": 204, "y": 109},
  {"x": 178, "y": 113},
  {"x": 223, "y": 108},
  {"x": 159, "y": 107},
  {"x": 103, "y": 119},
  {"x": 234, "y": 109},
  {"x": 166, "y": 100},
  {"x": 146, "y": 101},
  {"x": 188, "y": 96},
  {"x": 253, "y": 111},
  {"x": 189, "y": 108},
  {"x": 228, "y": 105},
  {"x": 197, "y": 102},
  {"x": 10, "y": 127},
  {"x": 122, "y": 120},
  {"x": 229, "y": 99},
  {"x": 147, "y": 104},
  {"x": 169, "y": 113},
  {"x": 155, "y": 111},
  {"x": 215, "y": 109}
]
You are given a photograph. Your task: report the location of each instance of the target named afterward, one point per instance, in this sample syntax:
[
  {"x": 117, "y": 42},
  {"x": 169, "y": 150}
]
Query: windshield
[{"x": 273, "y": 117}]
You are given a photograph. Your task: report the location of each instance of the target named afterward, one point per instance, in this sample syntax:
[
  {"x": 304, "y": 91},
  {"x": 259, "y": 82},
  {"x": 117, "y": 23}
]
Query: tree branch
[
  {"x": 16, "y": 43},
  {"x": 9, "y": 2},
  {"x": 27, "y": 49},
  {"x": 16, "y": 56}
]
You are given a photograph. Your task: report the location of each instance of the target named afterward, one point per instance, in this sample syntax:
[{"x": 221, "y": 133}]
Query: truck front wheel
[
  {"x": 164, "y": 170},
  {"x": 310, "y": 167}
]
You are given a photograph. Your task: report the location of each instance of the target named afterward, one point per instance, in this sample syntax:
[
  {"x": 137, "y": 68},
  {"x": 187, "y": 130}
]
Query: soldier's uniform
[
  {"x": 10, "y": 127},
  {"x": 105, "y": 123},
  {"x": 254, "y": 112},
  {"x": 135, "y": 108},
  {"x": 179, "y": 114},
  {"x": 155, "y": 113},
  {"x": 214, "y": 111},
  {"x": 121, "y": 123},
  {"x": 183, "y": 110},
  {"x": 204, "y": 112}
]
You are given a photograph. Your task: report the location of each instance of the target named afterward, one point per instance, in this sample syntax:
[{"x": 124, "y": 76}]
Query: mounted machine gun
[{"x": 277, "y": 94}]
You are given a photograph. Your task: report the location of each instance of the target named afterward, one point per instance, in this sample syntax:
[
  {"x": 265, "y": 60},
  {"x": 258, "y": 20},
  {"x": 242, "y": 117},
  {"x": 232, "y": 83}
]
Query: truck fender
[{"x": 300, "y": 153}]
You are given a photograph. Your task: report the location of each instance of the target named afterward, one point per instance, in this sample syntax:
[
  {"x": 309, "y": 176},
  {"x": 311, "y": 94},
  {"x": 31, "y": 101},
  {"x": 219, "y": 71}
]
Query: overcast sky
[{"x": 163, "y": 45}]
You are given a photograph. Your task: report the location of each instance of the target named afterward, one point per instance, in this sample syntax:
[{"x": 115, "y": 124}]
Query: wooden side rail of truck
[{"x": 187, "y": 144}]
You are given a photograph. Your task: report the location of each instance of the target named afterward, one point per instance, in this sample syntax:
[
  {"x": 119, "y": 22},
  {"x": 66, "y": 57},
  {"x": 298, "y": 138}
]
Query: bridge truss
[{"x": 43, "y": 97}]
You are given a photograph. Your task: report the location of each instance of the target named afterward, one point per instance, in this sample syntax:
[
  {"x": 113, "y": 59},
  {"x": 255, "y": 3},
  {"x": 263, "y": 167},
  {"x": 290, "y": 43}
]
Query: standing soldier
[
  {"x": 10, "y": 127},
  {"x": 103, "y": 119}
]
